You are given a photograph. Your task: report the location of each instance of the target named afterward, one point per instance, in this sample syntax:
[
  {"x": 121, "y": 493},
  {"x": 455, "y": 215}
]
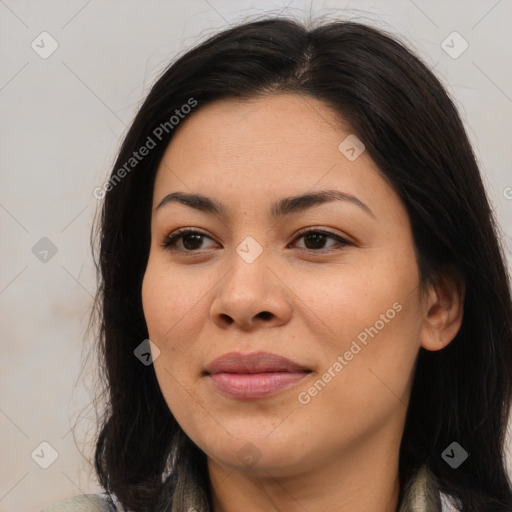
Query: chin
[{"x": 252, "y": 451}]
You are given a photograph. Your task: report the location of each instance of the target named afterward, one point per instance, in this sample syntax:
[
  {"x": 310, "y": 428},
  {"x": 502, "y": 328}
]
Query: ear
[{"x": 444, "y": 310}]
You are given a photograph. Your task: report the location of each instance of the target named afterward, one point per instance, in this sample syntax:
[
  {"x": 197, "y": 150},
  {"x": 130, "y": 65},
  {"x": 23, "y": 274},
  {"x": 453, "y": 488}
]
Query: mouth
[{"x": 253, "y": 376}]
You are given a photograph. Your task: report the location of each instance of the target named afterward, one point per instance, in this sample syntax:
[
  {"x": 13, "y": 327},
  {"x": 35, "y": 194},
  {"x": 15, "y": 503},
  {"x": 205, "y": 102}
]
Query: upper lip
[{"x": 256, "y": 362}]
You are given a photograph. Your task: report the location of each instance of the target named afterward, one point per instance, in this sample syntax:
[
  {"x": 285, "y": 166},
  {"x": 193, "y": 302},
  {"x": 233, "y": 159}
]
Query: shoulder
[{"x": 82, "y": 503}]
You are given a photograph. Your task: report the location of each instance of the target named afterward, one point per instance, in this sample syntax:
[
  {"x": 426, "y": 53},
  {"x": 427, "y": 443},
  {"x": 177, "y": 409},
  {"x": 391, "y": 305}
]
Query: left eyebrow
[
  {"x": 294, "y": 204},
  {"x": 282, "y": 208}
]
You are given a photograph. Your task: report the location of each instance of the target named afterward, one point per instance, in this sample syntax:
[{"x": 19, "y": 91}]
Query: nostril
[
  {"x": 226, "y": 319},
  {"x": 266, "y": 315}
]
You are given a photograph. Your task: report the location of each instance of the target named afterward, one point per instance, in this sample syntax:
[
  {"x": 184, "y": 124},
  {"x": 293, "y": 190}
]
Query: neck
[{"x": 364, "y": 479}]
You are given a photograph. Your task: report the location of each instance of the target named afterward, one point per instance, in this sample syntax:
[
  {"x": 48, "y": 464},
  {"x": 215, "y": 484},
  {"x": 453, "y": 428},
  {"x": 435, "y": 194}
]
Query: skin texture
[{"x": 339, "y": 451}]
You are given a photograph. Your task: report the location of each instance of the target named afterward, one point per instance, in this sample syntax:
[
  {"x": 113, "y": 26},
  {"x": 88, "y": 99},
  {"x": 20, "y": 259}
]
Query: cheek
[
  {"x": 372, "y": 381},
  {"x": 172, "y": 303},
  {"x": 369, "y": 315},
  {"x": 173, "y": 308},
  {"x": 341, "y": 301}
]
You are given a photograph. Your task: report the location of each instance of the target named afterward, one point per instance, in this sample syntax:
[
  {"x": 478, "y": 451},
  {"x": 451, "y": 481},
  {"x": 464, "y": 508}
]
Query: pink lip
[{"x": 256, "y": 375}]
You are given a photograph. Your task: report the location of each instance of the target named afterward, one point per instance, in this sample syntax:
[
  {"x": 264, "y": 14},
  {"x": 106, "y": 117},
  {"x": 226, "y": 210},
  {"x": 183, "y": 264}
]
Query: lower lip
[{"x": 254, "y": 385}]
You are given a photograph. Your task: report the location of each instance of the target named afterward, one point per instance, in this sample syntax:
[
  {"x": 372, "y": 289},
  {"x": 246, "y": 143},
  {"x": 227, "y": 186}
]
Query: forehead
[
  {"x": 263, "y": 149},
  {"x": 258, "y": 120},
  {"x": 258, "y": 133}
]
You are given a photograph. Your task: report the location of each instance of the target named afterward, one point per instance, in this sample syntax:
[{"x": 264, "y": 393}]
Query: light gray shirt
[{"x": 82, "y": 503}]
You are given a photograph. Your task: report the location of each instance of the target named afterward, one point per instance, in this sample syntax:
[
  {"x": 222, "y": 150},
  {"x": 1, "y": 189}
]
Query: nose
[{"x": 251, "y": 295}]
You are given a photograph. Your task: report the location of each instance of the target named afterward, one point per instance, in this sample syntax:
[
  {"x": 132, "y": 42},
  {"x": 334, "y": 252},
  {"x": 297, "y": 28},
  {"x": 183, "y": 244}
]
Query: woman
[{"x": 297, "y": 222}]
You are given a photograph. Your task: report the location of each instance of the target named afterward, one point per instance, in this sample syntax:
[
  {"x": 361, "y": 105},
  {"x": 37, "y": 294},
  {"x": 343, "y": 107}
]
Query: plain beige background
[{"x": 63, "y": 118}]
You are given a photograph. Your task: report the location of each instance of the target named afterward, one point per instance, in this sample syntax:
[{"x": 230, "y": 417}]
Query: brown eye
[
  {"x": 315, "y": 240},
  {"x": 190, "y": 240}
]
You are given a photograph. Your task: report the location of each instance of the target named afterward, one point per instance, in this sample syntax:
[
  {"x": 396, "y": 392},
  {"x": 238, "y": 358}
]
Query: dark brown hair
[{"x": 412, "y": 131}]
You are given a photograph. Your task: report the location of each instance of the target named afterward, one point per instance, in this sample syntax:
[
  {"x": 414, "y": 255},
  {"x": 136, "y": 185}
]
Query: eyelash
[{"x": 169, "y": 242}]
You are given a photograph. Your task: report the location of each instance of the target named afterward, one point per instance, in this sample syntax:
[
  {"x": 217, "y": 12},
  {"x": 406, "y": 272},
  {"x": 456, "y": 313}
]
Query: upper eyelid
[{"x": 192, "y": 230}]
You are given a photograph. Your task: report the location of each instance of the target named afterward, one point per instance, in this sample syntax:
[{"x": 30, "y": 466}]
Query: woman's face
[{"x": 342, "y": 304}]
